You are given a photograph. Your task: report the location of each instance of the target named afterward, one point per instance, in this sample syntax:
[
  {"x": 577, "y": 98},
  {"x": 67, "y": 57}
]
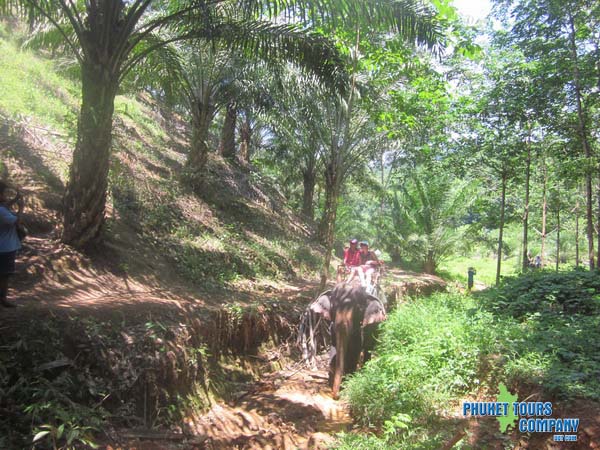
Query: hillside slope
[{"x": 236, "y": 235}]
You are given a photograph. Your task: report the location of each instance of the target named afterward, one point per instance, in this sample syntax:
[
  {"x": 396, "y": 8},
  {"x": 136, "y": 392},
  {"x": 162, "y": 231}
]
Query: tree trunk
[
  {"x": 329, "y": 217},
  {"x": 526, "y": 211},
  {"x": 582, "y": 130},
  {"x": 308, "y": 207},
  {"x": 544, "y": 210},
  {"x": 557, "y": 236},
  {"x": 227, "y": 147},
  {"x": 430, "y": 264},
  {"x": 598, "y": 222},
  {"x": 202, "y": 115},
  {"x": 309, "y": 179},
  {"x": 245, "y": 138},
  {"x": 577, "y": 230},
  {"x": 501, "y": 233},
  {"x": 85, "y": 197}
]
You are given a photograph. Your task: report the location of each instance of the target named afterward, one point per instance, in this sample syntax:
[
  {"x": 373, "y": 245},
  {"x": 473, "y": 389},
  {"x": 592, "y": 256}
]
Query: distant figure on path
[
  {"x": 538, "y": 262},
  {"x": 9, "y": 239},
  {"x": 530, "y": 262}
]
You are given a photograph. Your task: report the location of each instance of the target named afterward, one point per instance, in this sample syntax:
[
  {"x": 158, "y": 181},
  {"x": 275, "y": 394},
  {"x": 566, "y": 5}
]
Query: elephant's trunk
[{"x": 343, "y": 329}]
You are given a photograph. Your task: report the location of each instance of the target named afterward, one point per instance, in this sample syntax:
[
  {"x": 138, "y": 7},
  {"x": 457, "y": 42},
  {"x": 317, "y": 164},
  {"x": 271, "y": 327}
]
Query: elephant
[{"x": 354, "y": 316}]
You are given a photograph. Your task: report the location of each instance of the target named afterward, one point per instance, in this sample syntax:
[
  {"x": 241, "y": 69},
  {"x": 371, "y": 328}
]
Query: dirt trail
[{"x": 289, "y": 409}]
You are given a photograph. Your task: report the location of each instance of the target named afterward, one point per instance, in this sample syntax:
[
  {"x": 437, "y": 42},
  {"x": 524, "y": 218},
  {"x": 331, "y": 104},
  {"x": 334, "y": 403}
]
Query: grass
[
  {"x": 429, "y": 357},
  {"x": 457, "y": 267},
  {"x": 134, "y": 113},
  {"x": 31, "y": 88}
]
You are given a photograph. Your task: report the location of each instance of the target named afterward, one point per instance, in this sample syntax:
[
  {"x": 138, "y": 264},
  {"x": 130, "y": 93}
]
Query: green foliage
[
  {"x": 428, "y": 216},
  {"x": 548, "y": 293},
  {"x": 45, "y": 397}
]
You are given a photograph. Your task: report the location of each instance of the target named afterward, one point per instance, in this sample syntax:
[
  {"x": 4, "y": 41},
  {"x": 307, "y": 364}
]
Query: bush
[{"x": 576, "y": 291}]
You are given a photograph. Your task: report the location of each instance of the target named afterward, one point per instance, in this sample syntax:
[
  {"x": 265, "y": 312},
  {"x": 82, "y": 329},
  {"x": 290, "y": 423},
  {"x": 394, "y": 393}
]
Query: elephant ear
[
  {"x": 322, "y": 305},
  {"x": 375, "y": 311}
]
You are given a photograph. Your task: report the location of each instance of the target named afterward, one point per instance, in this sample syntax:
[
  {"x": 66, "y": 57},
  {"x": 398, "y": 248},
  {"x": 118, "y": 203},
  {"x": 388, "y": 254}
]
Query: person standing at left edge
[{"x": 9, "y": 240}]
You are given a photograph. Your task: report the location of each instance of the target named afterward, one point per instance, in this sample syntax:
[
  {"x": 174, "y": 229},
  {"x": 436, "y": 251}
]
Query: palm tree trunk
[
  {"x": 598, "y": 222},
  {"x": 430, "y": 263},
  {"x": 329, "y": 216},
  {"x": 577, "y": 230},
  {"x": 557, "y": 236},
  {"x": 245, "y": 138},
  {"x": 501, "y": 233},
  {"x": 202, "y": 115},
  {"x": 308, "y": 208},
  {"x": 309, "y": 179},
  {"x": 85, "y": 197},
  {"x": 526, "y": 211},
  {"x": 227, "y": 147}
]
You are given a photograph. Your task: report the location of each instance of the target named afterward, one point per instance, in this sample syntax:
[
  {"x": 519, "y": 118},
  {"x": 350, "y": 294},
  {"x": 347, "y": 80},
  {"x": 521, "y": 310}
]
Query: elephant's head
[
  {"x": 322, "y": 305},
  {"x": 369, "y": 307}
]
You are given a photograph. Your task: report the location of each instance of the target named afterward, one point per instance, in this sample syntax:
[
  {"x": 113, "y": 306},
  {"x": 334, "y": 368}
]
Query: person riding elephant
[{"x": 354, "y": 317}]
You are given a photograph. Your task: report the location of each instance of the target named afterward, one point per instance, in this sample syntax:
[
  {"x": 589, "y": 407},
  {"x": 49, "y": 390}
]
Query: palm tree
[{"x": 427, "y": 212}]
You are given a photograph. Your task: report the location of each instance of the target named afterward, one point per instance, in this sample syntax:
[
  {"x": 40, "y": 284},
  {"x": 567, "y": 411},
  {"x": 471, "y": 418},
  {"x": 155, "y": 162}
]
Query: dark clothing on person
[
  {"x": 7, "y": 263},
  {"x": 9, "y": 244}
]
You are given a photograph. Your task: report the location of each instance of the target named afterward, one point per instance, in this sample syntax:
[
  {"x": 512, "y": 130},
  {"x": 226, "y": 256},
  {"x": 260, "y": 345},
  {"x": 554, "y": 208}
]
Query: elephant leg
[
  {"x": 332, "y": 358},
  {"x": 369, "y": 339},
  {"x": 355, "y": 343},
  {"x": 353, "y": 351}
]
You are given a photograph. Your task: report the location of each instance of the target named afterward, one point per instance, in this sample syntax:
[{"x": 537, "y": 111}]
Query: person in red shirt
[
  {"x": 352, "y": 254},
  {"x": 352, "y": 259}
]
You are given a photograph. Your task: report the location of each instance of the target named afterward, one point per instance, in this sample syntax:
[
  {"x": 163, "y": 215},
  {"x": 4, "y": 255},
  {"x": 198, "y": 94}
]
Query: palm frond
[{"x": 415, "y": 20}]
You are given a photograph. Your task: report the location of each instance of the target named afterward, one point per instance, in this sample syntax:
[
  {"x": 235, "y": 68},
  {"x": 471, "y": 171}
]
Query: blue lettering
[
  {"x": 547, "y": 409},
  {"x": 559, "y": 426},
  {"x": 516, "y": 408},
  {"x": 571, "y": 425},
  {"x": 522, "y": 425},
  {"x": 522, "y": 409},
  {"x": 466, "y": 407}
]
